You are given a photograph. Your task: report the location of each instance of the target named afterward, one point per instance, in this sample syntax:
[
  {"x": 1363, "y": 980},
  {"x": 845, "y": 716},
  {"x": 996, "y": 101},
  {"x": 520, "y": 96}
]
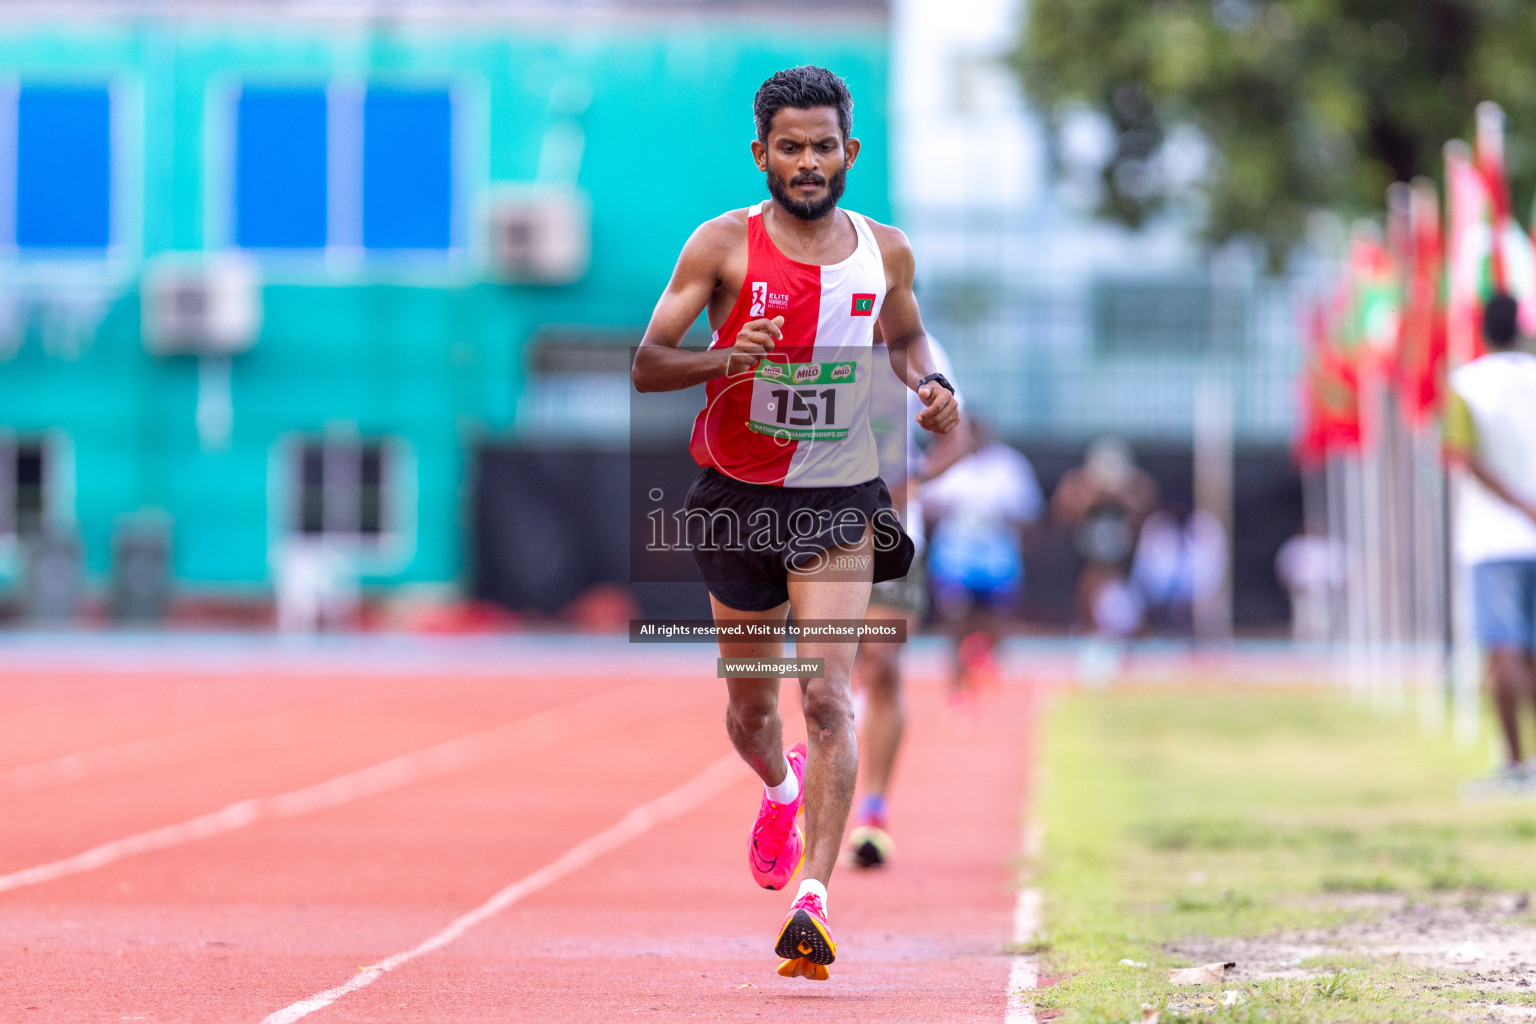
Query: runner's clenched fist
[
  {"x": 756, "y": 340},
  {"x": 941, "y": 412}
]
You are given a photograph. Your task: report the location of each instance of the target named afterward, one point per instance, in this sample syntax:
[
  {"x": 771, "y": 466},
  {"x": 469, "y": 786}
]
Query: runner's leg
[
  {"x": 879, "y": 671},
  {"x": 839, "y": 589},
  {"x": 752, "y": 705}
]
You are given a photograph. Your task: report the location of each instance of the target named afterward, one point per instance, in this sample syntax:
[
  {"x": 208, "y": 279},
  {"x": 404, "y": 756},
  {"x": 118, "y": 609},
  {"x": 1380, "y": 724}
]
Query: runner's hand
[
  {"x": 756, "y": 340},
  {"x": 942, "y": 413}
]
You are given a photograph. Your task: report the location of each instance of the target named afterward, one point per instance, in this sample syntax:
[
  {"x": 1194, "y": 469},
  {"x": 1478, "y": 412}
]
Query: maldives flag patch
[{"x": 863, "y": 305}]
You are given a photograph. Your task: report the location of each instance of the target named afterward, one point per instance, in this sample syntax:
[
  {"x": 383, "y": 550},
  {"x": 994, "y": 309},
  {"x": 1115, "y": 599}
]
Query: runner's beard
[{"x": 808, "y": 209}]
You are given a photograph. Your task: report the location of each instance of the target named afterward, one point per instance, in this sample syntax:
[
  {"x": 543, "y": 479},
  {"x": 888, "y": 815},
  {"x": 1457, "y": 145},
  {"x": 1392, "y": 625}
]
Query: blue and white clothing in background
[{"x": 980, "y": 505}]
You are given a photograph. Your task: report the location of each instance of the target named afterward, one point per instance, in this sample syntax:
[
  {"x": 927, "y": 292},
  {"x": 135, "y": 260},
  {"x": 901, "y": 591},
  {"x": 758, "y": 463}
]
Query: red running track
[{"x": 668, "y": 925}]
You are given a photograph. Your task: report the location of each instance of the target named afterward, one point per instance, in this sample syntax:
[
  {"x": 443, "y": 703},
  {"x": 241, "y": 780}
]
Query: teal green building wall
[{"x": 432, "y": 355}]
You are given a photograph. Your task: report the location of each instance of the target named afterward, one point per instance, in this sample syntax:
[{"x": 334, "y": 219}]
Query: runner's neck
[{"x": 829, "y": 240}]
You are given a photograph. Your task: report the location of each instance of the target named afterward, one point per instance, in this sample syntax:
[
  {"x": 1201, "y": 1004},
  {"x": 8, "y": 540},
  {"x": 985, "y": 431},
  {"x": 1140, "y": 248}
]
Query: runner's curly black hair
[{"x": 803, "y": 88}]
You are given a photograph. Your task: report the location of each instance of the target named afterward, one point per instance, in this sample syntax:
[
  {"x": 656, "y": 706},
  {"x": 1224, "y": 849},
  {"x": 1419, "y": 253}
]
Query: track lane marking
[
  {"x": 711, "y": 781},
  {"x": 536, "y": 732},
  {"x": 1023, "y": 968},
  {"x": 1023, "y": 973},
  {"x": 142, "y": 754}
]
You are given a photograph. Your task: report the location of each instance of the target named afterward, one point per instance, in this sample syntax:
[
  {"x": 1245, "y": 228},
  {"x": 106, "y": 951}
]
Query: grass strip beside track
[{"x": 1215, "y": 820}]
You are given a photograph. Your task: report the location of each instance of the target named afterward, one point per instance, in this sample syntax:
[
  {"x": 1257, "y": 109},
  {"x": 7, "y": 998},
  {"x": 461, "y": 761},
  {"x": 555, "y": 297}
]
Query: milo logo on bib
[
  {"x": 771, "y": 370},
  {"x": 807, "y": 372},
  {"x": 842, "y": 371}
]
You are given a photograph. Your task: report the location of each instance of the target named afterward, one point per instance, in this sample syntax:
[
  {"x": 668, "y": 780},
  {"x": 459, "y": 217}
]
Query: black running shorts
[{"x": 746, "y": 538}]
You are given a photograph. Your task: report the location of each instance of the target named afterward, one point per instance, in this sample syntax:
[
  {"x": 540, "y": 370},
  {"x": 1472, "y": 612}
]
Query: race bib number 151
[{"x": 799, "y": 401}]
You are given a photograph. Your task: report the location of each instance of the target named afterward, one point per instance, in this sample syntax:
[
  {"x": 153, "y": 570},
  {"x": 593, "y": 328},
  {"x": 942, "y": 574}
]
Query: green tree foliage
[{"x": 1304, "y": 104}]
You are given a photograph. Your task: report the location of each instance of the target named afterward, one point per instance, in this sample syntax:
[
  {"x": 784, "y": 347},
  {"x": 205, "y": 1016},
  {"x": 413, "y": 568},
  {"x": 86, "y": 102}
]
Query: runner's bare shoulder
[
  {"x": 715, "y": 241},
  {"x": 895, "y": 250}
]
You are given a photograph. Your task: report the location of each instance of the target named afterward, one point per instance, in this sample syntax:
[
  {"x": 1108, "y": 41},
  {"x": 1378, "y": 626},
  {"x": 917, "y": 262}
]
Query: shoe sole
[
  {"x": 867, "y": 855},
  {"x": 870, "y": 847},
  {"x": 800, "y": 967},
  {"x": 804, "y": 939}
]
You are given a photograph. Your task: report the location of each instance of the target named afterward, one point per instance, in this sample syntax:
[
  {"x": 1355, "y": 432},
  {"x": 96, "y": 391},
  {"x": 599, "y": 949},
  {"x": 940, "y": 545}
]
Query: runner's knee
[
  {"x": 748, "y": 716},
  {"x": 880, "y": 677},
  {"x": 828, "y": 708}
]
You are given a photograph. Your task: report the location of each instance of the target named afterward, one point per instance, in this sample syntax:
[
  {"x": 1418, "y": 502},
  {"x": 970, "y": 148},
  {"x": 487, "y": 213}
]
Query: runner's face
[{"x": 806, "y": 159}]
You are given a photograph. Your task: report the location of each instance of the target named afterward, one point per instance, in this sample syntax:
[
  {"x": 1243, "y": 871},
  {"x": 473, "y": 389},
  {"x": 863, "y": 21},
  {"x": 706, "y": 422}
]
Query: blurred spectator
[
  {"x": 1490, "y": 423},
  {"x": 1181, "y": 559},
  {"x": 1311, "y": 565},
  {"x": 316, "y": 587},
  {"x": 1104, "y": 502},
  {"x": 980, "y": 507}
]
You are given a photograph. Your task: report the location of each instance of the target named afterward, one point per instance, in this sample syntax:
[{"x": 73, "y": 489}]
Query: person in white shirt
[
  {"x": 980, "y": 507},
  {"x": 1491, "y": 429},
  {"x": 1312, "y": 567},
  {"x": 1180, "y": 560}
]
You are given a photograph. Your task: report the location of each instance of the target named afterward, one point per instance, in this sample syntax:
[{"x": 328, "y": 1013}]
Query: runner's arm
[
  {"x": 901, "y": 325},
  {"x": 660, "y": 364}
]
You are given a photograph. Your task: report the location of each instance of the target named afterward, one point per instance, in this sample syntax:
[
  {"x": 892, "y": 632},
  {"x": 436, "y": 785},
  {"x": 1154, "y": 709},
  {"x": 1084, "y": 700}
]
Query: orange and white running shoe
[
  {"x": 869, "y": 843},
  {"x": 778, "y": 845},
  {"x": 805, "y": 941}
]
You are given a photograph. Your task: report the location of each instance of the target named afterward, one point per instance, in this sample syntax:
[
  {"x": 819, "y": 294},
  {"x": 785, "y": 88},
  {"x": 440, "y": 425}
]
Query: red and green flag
[{"x": 1422, "y": 327}]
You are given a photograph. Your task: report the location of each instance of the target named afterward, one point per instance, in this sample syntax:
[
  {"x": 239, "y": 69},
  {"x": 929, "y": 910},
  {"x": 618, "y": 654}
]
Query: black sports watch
[{"x": 942, "y": 380}]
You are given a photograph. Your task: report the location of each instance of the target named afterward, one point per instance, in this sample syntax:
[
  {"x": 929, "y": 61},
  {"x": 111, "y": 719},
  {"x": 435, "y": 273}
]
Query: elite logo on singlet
[{"x": 759, "y": 298}]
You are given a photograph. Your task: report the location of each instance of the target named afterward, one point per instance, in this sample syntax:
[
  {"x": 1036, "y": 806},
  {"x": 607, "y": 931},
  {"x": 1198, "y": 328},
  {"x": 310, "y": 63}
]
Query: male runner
[
  {"x": 793, "y": 289},
  {"x": 877, "y": 670}
]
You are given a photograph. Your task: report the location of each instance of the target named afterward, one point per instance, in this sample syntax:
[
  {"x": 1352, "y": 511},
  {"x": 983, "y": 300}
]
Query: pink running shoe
[
  {"x": 778, "y": 845},
  {"x": 805, "y": 941}
]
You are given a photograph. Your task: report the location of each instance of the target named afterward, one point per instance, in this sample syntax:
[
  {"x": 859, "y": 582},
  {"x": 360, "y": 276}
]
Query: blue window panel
[
  {"x": 63, "y": 167},
  {"x": 407, "y": 169},
  {"x": 280, "y": 169}
]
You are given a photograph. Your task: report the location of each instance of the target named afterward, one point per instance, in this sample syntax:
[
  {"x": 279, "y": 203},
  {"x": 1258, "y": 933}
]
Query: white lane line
[
  {"x": 1023, "y": 974},
  {"x": 637, "y": 822},
  {"x": 1023, "y": 971},
  {"x": 535, "y": 732},
  {"x": 139, "y": 755}
]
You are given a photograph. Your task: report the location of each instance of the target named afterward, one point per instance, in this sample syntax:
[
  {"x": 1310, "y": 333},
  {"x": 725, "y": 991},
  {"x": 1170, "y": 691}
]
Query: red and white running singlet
[{"x": 801, "y": 419}]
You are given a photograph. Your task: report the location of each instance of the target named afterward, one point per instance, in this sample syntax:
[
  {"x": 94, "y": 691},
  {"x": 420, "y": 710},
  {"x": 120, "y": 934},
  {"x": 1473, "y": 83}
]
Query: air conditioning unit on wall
[
  {"x": 201, "y": 308},
  {"x": 540, "y": 234}
]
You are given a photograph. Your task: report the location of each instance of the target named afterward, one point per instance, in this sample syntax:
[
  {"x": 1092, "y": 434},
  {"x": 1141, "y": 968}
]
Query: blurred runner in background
[
  {"x": 979, "y": 507},
  {"x": 877, "y": 672},
  {"x": 1491, "y": 429},
  {"x": 1104, "y": 503}
]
